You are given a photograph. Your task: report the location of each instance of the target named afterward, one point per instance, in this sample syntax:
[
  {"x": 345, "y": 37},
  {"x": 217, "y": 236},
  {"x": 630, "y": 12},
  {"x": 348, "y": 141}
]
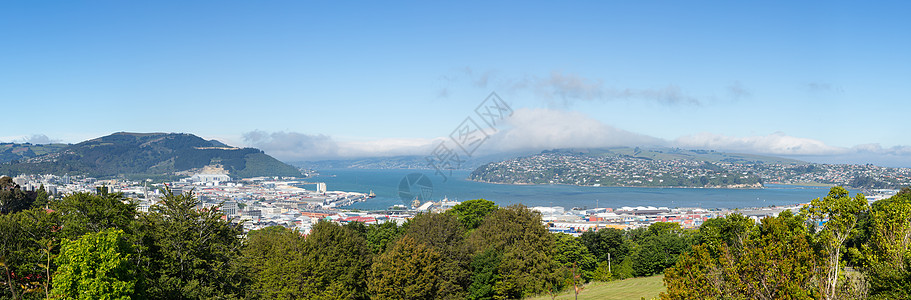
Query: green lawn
[{"x": 635, "y": 288}]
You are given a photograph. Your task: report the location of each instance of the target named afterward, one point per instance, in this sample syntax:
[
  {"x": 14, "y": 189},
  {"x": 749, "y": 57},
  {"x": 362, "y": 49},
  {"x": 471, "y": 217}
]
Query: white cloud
[
  {"x": 561, "y": 89},
  {"x": 775, "y": 143},
  {"x": 877, "y": 148},
  {"x": 539, "y": 129},
  {"x": 822, "y": 87},
  {"x": 569, "y": 88},
  {"x": 386, "y": 147},
  {"x": 737, "y": 91},
  {"x": 292, "y": 145},
  {"x": 33, "y": 139},
  {"x": 526, "y": 129},
  {"x": 295, "y": 146}
]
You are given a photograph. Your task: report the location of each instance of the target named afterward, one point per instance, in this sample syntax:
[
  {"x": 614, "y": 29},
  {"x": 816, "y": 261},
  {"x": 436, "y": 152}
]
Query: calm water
[{"x": 385, "y": 183}]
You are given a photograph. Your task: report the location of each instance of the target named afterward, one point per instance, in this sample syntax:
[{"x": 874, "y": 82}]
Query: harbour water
[{"x": 386, "y": 185}]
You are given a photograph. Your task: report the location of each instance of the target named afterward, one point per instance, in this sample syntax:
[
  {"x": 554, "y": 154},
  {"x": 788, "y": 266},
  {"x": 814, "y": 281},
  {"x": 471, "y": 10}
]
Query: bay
[{"x": 386, "y": 185}]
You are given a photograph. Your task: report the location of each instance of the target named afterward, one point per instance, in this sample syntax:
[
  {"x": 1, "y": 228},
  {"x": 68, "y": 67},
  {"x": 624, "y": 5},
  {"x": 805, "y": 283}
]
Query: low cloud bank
[{"x": 542, "y": 129}]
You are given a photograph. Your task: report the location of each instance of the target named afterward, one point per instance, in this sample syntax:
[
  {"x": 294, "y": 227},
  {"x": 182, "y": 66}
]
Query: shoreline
[{"x": 621, "y": 186}]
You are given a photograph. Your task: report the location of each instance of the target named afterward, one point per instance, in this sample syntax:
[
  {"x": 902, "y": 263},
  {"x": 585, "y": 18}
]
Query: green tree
[
  {"x": 887, "y": 249},
  {"x": 28, "y": 243},
  {"x": 96, "y": 266},
  {"x": 12, "y": 199},
  {"x": 839, "y": 212},
  {"x": 381, "y": 236},
  {"x": 659, "y": 248},
  {"x": 731, "y": 230},
  {"x": 608, "y": 245},
  {"x": 87, "y": 213},
  {"x": 10, "y": 243},
  {"x": 39, "y": 231},
  {"x": 472, "y": 212},
  {"x": 409, "y": 270},
  {"x": 445, "y": 234},
  {"x": 776, "y": 261},
  {"x": 42, "y": 199},
  {"x": 603, "y": 272},
  {"x": 569, "y": 251},
  {"x": 275, "y": 258},
  {"x": 526, "y": 248},
  {"x": 484, "y": 275},
  {"x": 192, "y": 250},
  {"x": 338, "y": 262}
]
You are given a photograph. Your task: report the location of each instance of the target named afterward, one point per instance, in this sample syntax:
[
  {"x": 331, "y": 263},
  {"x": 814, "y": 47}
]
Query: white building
[{"x": 205, "y": 178}]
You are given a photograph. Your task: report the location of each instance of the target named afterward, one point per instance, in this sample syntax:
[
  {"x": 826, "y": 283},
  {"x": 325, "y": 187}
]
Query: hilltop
[{"x": 126, "y": 153}]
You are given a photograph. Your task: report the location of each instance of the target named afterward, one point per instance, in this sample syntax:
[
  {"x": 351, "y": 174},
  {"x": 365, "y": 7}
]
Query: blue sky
[{"x": 823, "y": 80}]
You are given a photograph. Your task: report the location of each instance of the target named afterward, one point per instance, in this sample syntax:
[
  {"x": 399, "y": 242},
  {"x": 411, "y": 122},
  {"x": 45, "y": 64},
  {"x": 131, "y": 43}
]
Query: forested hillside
[
  {"x": 149, "y": 153},
  {"x": 15, "y": 151}
]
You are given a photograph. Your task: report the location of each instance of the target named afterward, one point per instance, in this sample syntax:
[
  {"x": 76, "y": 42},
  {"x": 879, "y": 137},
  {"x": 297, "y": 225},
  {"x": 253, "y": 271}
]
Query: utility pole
[{"x": 608, "y": 265}]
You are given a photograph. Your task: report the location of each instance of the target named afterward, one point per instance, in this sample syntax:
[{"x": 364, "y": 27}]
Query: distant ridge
[
  {"x": 130, "y": 153},
  {"x": 632, "y": 167},
  {"x": 665, "y": 153},
  {"x": 16, "y": 151}
]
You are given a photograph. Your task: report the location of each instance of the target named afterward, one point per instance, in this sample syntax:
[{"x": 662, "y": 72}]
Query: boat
[{"x": 371, "y": 195}]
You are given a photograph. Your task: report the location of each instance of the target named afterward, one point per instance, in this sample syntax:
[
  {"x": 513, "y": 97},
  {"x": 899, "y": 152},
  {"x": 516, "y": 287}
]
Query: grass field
[{"x": 635, "y": 288}]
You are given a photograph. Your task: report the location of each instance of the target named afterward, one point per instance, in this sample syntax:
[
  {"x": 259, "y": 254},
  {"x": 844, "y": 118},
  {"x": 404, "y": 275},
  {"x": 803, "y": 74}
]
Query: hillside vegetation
[
  {"x": 149, "y": 153},
  {"x": 674, "y": 167},
  {"x": 98, "y": 246},
  {"x": 15, "y": 151}
]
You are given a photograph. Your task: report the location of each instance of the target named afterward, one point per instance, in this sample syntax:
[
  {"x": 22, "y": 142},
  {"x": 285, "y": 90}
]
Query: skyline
[{"x": 819, "y": 81}]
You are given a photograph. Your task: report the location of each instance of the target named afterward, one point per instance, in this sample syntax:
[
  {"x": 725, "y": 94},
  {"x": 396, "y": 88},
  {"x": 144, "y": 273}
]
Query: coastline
[
  {"x": 744, "y": 186},
  {"x": 385, "y": 183},
  {"x": 809, "y": 184}
]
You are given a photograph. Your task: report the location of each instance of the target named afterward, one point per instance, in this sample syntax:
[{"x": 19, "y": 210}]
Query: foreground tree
[
  {"x": 608, "y": 245},
  {"x": 275, "y": 259},
  {"x": 472, "y": 212},
  {"x": 887, "y": 251},
  {"x": 484, "y": 275},
  {"x": 659, "y": 248},
  {"x": 12, "y": 199},
  {"x": 569, "y": 252},
  {"x": 839, "y": 212},
  {"x": 409, "y": 270},
  {"x": 337, "y": 263},
  {"x": 445, "y": 235},
  {"x": 776, "y": 262},
  {"x": 83, "y": 213},
  {"x": 10, "y": 243},
  {"x": 525, "y": 250},
  {"x": 42, "y": 199},
  {"x": 96, "y": 266},
  {"x": 28, "y": 243},
  {"x": 731, "y": 230},
  {"x": 192, "y": 251},
  {"x": 382, "y": 236}
]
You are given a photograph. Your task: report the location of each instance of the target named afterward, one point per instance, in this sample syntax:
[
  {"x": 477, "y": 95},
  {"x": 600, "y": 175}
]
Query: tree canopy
[
  {"x": 98, "y": 246},
  {"x": 96, "y": 266}
]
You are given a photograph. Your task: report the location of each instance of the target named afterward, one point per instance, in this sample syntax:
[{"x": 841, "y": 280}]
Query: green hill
[
  {"x": 126, "y": 153},
  {"x": 683, "y": 154},
  {"x": 14, "y": 151}
]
